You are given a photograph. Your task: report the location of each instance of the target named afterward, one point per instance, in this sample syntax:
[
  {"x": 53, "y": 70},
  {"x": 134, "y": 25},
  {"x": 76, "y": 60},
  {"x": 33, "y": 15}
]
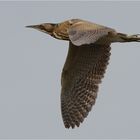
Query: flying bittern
[{"x": 88, "y": 57}]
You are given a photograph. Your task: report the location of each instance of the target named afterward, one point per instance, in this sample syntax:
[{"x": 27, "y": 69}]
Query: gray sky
[{"x": 31, "y": 64}]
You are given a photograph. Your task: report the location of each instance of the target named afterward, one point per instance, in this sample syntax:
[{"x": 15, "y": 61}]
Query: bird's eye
[
  {"x": 70, "y": 22},
  {"x": 42, "y": 27}
]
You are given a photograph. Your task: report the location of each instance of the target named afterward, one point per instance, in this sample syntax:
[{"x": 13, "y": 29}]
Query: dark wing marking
[{"x": 83, "y": 70}]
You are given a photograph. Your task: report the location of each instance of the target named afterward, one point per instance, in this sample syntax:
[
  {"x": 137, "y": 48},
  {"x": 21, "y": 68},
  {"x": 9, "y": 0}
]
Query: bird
[{"x": 86, "y": 62}]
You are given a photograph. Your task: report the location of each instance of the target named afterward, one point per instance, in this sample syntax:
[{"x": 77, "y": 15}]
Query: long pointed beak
[{"x": 33, "y": 26}]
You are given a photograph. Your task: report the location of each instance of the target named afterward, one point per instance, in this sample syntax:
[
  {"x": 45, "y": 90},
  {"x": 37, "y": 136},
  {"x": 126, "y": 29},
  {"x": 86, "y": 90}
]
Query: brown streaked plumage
[{"x": 88, "y": 57}]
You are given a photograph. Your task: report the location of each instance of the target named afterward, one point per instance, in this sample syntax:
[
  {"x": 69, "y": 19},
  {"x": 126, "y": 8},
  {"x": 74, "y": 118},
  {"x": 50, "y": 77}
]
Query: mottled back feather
[
  {"x": 83, "y": 70},
  {"x": 84, "y": 32}
]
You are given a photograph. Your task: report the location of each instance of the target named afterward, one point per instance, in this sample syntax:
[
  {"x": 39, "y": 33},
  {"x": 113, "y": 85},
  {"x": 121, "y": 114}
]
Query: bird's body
[{"x": 88, "y": 57}]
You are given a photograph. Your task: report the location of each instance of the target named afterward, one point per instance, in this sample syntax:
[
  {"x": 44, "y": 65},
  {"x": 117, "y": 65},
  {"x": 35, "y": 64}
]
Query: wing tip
[{"x": 74, "y": 125}]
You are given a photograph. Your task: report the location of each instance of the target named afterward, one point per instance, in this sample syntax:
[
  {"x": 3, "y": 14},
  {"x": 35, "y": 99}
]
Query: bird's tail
[{"x": 128, "y": 38}]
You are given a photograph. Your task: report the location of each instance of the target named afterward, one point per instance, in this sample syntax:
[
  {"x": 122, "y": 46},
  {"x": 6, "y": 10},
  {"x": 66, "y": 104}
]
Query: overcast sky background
[{"x": 31, "y": 64}]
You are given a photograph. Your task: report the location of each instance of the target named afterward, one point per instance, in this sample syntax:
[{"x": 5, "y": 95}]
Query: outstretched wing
[
  {"x": 84, "y": 32},
  {"x": 83, "y": 70}
]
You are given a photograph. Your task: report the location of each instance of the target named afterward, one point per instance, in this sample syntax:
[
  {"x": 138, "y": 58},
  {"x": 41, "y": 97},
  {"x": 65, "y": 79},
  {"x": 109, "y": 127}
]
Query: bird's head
[
  {"x": 59, "y": 31},
  {"x": 45, "y": 27}
]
